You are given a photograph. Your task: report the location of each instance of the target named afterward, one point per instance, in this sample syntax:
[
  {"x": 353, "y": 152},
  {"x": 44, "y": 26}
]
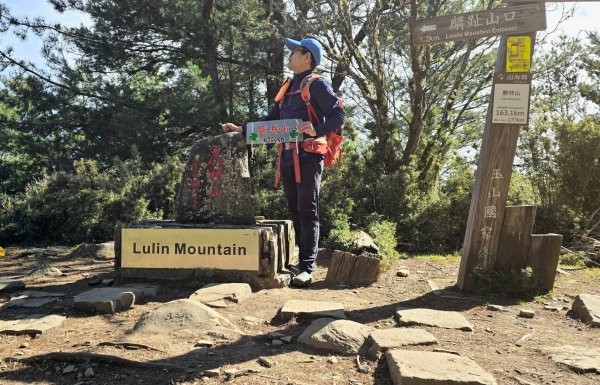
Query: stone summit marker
[{"x": 215, "y": 237}]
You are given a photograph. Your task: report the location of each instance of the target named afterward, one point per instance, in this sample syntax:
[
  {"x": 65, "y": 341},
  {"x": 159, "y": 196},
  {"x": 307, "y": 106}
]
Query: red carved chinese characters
[{"x": 214, "y": 166}]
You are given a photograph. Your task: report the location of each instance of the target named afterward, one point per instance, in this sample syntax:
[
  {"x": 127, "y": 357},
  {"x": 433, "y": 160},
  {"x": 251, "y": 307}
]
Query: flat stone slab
[
  {"x": 580, "y": 359},
  {"x": 313, "y": 309},
  {"x": 36, "y": 299},
  {"x": 7, "y": 284},
  {"x": 587, "y": 308},
  {"x": 436, "y": 318},
  {"x": 410, "y": 367},
  {"x": 34, "y": 324},
  {"x": 215, "y": 292},
  {"x": 340, "y": 336},
  {"x": 382, "y": 340},
  {"x": 142, "y": 292},
  {"x": 105, "y": 299}
]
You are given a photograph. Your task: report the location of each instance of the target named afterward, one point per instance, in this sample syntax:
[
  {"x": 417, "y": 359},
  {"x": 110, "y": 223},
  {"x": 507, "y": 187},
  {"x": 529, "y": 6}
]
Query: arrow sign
[
  {"x": 428, "y": 28},
  {"x": 474, "y": 25}
]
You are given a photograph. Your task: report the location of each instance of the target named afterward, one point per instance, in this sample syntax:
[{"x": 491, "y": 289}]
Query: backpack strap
[
  {"x": 283, "y": 90},
  {"x": 305, "y": 95}
]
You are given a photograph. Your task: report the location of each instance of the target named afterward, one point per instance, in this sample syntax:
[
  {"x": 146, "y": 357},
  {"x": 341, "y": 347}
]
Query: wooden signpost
[
  {"x": 507, "y": 111},
  {"x": 474, "y": 25}
]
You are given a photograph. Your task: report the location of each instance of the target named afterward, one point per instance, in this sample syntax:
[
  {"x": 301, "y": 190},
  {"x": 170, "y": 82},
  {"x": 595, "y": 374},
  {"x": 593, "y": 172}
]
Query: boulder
[
  {"x": 215, "y": 186},
  {"x": 362, "y": 242},
  {"x": 104, "y": 250},
  {"x": 185, "y": 318},
  {"x": 410, "y": 367},
  {"x": 340, "y": 336}
]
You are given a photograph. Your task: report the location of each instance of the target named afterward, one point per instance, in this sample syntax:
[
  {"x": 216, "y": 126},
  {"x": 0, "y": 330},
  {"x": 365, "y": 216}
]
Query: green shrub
[
  {"x": 384, "y": 236},
  {"x": 85, "y": 206}
]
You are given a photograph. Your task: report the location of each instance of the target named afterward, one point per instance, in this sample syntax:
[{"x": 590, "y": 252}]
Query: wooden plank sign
[
  {"x": 274, "y": 131},
  {"x": 475, "y": 25}
]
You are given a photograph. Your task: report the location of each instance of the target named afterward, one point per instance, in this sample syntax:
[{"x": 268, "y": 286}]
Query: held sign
[
  {"x": 227, "y": 249},
  {"x": 475, "y": 25},
  {"x": 510, "y": 98},
  {"x": 274, "y": 131}
]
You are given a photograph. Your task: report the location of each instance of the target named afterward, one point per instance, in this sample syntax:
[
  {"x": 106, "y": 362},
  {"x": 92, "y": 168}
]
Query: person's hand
[
  {"x": 307, "y": 128},
  {"x": 230, "y": 127}
]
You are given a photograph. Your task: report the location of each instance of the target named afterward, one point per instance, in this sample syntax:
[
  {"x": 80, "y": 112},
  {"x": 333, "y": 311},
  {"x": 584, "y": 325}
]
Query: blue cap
[{"x": 312, "y": 45}]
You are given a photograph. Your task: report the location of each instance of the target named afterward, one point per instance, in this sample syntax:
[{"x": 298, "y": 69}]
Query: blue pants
[{"x": 303, "y": 207}]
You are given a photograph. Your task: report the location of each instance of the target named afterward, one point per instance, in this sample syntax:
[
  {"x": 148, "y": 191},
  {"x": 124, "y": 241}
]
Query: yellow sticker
[{"x": 518, "y": 54}]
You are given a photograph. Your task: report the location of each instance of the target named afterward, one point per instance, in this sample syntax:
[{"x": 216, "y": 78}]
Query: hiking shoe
[
  {"x": 294, "y": 269},
  {"x": 303, "y": 279}
]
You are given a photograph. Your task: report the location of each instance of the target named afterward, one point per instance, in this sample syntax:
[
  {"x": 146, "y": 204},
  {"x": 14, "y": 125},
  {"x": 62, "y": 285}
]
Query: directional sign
[
  {"x": 475, "y": 25},
  {"x": 510, "y": 98},
  {"x": 274, "y": 131}
]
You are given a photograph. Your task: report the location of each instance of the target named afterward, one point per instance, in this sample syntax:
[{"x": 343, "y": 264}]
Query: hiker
[{"x": 301, "y": 183}]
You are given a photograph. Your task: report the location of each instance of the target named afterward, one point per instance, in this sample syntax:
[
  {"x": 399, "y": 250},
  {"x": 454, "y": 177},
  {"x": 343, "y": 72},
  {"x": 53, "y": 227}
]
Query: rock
[
  {"x": 312, "y": 309},
  {"x": 403, "y": 273},
  {"x": 409, "y": 367},
  {"x": 104, "y": 250},
  {"x": 33, "y": 299},
  {"x": 217, "y": 304},
  {"x": 105, "y": 299},
  {"x": 33, "y": 324},
  {"x": 496, "y": 308},
  {"x": 332, "y": 359},
  {"x": 287, "y": 339},
  {"x": 233, "y": 292},
  {"x": 215, "y": 185},
  {"x": 580, "y": 359},
  {"x": 552, "y": 308},
  {"x": 340, "y": 336},
  {"x": 24, "y": 345},
  {"x": 212, "y": 372},
  {"x": 204, "y": 343},
  {"x": 436, "y": 318},
  {"x": 275, "y": 335},
  {"x": 8, "y": 284},
  {"x": 69, "y": 369},
  {"x": 265, "y": 362},
  {"x": 142, "y": 292},
  {"x": 186, "y": 318},
  {"x": 587, "y": 308},
  {"x": 276, "y": 342},
  {"x": 108, "y": 282},
  {"x": 382, "y": 340},
  {"x": 362, "y": 241},
  {"x": 526, "y": 313},
  {"x": 89, "y": 372},
  {"x": 47, "y": 272}
]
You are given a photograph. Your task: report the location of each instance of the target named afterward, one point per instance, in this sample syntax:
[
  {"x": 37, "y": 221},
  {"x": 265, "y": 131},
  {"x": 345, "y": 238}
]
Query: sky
[{"x": 587, "y": 14}]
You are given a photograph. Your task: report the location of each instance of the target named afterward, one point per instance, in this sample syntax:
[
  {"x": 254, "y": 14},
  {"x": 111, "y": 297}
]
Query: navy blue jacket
[{"x": 326, "y": 105}]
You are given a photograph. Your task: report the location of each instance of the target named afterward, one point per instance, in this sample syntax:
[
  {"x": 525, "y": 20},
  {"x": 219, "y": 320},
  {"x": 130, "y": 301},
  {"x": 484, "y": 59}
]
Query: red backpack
[{"x": 329, "y": 145}]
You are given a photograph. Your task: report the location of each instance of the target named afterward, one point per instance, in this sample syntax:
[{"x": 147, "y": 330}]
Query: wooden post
[
  {"x": 544, "y": 251},
  {"x": 494, "y": 170},
  {"x": 515, "y": 237}
]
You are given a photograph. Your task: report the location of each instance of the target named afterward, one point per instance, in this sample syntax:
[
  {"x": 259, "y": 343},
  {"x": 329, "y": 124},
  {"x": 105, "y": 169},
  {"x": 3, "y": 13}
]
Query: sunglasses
[{"x": 301, "y": 50}]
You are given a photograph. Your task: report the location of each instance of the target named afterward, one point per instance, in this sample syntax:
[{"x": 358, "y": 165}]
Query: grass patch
[
  {"x": 439, "y": 258},
  {"x": 592, "y": 272}
]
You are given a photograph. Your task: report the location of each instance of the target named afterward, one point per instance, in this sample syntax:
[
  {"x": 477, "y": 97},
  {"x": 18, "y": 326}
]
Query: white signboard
[{"x": 510, "y": 98}]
